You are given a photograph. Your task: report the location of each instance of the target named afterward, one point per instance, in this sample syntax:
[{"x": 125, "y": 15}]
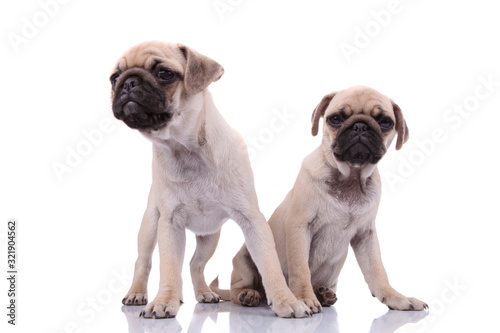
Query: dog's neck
[
  {"x": 353, "y": 185},
  {"x": 198, "y": 132},
  {"x": 362, "y": 172},
  {"x": 340, "y": 175},
  {"x": 188, "y": 127}
]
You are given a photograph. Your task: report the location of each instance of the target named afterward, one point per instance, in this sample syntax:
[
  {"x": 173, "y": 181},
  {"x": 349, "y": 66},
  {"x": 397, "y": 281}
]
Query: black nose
[
  {"x": 130, "y": 83},
  {"x": 359, "y": 128}
]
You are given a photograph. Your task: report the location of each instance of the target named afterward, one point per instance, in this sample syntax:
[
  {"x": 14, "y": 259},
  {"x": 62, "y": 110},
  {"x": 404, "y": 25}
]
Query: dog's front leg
[
  {"x": 298, "y": 241},
  {"x": 171, "y": 243},
  {"x": 261, "y": 246},
  {"x": 137, "y": 294},
  {"x": 367, "y": 250}
]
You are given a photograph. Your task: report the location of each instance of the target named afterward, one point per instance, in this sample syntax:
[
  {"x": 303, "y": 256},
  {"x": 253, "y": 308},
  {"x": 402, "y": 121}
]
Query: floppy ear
[
  {"x": 200, "y": 70},
  {"x": 401, "y": 128},
  {"x": 320, "y": 112}
]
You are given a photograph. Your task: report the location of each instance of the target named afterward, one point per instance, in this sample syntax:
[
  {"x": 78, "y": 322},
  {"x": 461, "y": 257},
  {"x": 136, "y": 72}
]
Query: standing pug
[
  {"x": 201, "y": 177},
  {"x": 333, "y": 204}
]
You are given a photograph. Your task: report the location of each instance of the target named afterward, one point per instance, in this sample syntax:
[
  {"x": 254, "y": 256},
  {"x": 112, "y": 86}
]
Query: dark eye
[
  {"x": 165, "y": 75},
  {"x": 386, "y": 124},
  {"x": 335, "y": 120},
  {"x": 113, "y": 79}
]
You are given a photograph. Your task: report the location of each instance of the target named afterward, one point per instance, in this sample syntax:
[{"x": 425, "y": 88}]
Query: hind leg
[
  {"x": 205, "y": 248},
  {"x": 325, "y": 296},
  {"x": 260, "y": 244},
  {"x": 325, "y": 279},
  {"x": 245, "y": 280}
]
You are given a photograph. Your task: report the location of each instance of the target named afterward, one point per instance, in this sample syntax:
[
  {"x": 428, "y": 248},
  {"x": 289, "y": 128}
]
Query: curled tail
[{"x": 223, "y": 293}]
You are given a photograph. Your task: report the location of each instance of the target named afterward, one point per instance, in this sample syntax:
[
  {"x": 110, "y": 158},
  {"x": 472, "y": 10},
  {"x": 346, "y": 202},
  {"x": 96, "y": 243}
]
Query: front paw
[
  {"x": 207, "y": 297},
  {"x": 161, "y": 309},
  {"x": 312, "y": 303},
  {"x": 135, "y": 299},
  {"x": 290, "y": 308},
  {"x": 396, "y": 301}
]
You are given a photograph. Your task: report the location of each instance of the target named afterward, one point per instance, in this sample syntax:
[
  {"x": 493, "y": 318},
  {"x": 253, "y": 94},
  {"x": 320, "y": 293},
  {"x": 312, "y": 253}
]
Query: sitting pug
[{"x": 332, "y": 205}]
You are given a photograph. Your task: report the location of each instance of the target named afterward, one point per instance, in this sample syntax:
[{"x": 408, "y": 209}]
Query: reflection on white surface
[
  {"x": 141, "y": 325},
  {"x": 393, "y": 320},
  {"x": 260, "y": 319}
]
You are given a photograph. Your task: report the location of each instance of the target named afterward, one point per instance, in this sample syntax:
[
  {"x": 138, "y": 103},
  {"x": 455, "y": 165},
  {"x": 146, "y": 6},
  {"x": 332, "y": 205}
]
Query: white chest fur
[
  {"x": 190, "y": 187},
  {"x": 347, "y": 207}
]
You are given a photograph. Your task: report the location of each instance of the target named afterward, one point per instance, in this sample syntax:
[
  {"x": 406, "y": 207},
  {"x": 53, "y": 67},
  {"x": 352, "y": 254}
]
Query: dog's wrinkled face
[
  {"x": 151, "y": 79},
  {"x": 359, "y": 125}
]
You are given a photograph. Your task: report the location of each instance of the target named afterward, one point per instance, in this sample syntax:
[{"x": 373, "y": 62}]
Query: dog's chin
[
  {"x": 142, "y": 119},
  {"x": 358, "y": 155},
  {"x": 147, "y": 122}
]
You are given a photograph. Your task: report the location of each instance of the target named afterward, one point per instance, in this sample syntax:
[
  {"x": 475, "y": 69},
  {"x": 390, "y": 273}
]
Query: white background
[{"x": 438, "y": 219}]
